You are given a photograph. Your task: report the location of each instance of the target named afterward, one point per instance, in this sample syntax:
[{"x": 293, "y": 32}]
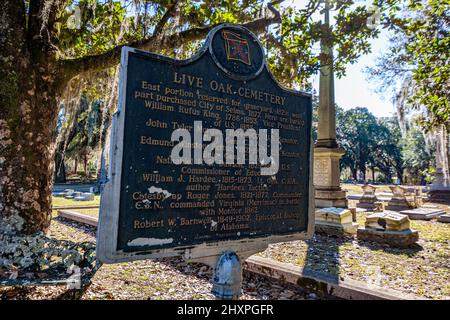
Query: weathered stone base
[
  {"x": 401, "y": 239},
  {"x": 370, "y": 206},
  {"x": 439, "y": 196},
  {"x": 78, "y": 217},
  {"x": 354, "y": 197},
  {"x": 444, "y": 218},
  {"x": 330, "y": 198},
  {"x": 323, "y": 283},
  {"x": 335, "y": 229}
]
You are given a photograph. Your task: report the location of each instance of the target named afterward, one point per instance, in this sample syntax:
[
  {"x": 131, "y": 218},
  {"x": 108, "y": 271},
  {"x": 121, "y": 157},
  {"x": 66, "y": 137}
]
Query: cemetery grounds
[{"x": 423, "y": 270}]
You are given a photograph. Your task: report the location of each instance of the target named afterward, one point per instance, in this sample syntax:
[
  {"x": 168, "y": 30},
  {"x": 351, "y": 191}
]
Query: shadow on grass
[{"x": 323, "y": 254}]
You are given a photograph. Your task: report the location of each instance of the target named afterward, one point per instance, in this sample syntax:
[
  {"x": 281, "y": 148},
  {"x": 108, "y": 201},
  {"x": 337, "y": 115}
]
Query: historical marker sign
[{"x": 207, "y": 154}]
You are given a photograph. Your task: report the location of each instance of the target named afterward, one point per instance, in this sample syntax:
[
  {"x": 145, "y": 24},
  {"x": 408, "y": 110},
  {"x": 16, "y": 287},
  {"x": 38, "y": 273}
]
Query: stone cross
[{"x": 326, "y": 151}]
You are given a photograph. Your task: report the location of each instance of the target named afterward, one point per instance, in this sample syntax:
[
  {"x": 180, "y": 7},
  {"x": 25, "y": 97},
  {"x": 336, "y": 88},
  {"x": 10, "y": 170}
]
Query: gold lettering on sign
[{"x": 186, "y": 79}]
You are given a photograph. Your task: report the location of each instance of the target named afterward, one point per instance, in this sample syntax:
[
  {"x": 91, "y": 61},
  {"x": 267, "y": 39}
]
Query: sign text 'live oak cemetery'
[{"x": 207, "y": 154}]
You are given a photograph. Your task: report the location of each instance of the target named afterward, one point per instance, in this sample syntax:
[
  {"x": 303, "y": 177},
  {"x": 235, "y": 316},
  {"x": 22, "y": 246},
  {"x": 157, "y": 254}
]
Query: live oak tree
[
  {"x": 369, "y": 143},
  {"x": 40, "y": 54},
  {"x": 416, "y": 66},
  {"x": 45, "y": 44},
  {"x": 355, "y": 134}
]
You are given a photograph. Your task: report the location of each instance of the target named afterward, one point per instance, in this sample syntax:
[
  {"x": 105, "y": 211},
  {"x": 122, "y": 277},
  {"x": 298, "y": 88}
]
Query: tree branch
[
  {"x": 167, "y": 15},
  {"x": 73, "y": 67},
  {"x": 42, "y": 16}
]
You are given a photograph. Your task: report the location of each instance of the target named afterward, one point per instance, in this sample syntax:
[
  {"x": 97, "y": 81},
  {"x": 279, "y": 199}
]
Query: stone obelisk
[{"x": 326, "y": 151}]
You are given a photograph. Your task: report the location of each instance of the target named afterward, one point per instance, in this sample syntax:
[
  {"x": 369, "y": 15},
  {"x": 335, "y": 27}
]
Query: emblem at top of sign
[
  {"x": 236, "y": 47},
  {"x": 236, "y": 51}
]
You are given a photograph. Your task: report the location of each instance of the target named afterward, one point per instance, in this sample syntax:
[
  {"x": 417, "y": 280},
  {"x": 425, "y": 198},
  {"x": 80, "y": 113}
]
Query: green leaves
[
  {"x": 293, "y": 45},
  {"x": 422, "y": 54}
]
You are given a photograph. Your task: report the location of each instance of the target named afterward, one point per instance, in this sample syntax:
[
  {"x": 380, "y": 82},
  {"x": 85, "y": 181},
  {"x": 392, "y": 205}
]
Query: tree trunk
[
  {"x": 85, "y": 161},
  {"x": 29, "y": 93},
  {"x": 363, "y": 170},
  {"x": 75, "y": 166},
  {"x": 400, "y": 176}
]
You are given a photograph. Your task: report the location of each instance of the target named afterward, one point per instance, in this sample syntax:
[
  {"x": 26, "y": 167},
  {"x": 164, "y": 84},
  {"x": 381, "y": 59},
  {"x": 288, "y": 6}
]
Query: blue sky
[{"x": 354, "y": 90}]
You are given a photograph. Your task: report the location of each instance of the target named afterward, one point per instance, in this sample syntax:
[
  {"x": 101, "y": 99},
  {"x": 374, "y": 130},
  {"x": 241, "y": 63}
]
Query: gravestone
[
  {"x": 399, "y": 201},
  {"x": 335, "y": 221},
  {"x": 390, "y": 228},
  {"x": 162, "y": 198},
  {"x": 70, "y": 193},
  {"x": 354, "y": 197},
  {"x": 422, "y": 213},
  {"x": 73, "y": 195},
  {"x": 66, "y": 192},
  {"x": 368, "y": 199},
  {"x": 414, "y": 196}
]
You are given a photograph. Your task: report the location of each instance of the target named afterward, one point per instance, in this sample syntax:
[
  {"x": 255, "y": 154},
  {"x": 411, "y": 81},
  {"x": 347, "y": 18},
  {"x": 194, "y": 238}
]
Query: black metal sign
[{"x": 205, "y": 150}]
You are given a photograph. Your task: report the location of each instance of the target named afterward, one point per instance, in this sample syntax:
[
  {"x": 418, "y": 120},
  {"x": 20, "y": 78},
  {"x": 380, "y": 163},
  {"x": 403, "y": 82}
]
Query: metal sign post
[{"x": 227, "y": 279}]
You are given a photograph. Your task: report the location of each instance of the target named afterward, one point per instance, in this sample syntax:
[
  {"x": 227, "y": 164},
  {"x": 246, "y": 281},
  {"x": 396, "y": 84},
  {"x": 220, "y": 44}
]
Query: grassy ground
[
  {"x": 59, "y": 201},
  {"x": 353, "y": 189},
  {"x": 423, "y": 270}
]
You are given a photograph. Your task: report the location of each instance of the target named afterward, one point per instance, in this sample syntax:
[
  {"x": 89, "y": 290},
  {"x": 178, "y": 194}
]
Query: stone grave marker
[
  {"x": 66, "y": 192},
  {"x": 71, "y": 194},
  {"x": 388, "y": 227},
  {"x": 399, "y": 200},
  {"x": 445, "y": 218},
  {"x": 176, "y": 186},
  {"x": 85, "y": 196},
  {"x": 368, "y": 199},
  {"x": 335, "y": 221},
  {"x": 423, "y": 213}
]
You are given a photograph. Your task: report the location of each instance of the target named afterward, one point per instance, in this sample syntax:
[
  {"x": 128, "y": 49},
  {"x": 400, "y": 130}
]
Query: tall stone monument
[{"x": 326, "y": 151}]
